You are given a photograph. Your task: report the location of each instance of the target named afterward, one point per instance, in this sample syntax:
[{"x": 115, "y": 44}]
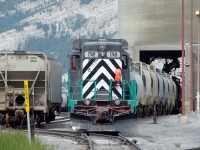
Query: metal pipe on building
[
  {"x": 197, "y": 103},
  {"x": 191, "y": 58},
  {"x": 183, "y": 56}
]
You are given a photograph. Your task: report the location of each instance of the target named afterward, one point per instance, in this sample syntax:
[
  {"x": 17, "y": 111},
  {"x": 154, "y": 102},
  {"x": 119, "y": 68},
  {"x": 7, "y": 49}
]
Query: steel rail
[
  {"x": 91, "y": 147},
  {"x": 87, "y": 139},
  {"x": 75, "y": 135},
  {"x": 60, "y": 120},
  {"x": 121, "y": 137},
  {"x": 132, "y": 144}
]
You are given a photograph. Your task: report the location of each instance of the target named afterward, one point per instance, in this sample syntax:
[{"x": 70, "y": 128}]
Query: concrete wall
[{"x": 156, "y": 25}]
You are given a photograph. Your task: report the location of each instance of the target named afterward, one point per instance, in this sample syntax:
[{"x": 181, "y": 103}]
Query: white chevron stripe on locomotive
[
  {"x": 100, "y": 71},
  {"x": 101, "y": 84},
  {"x": 95, "y": 76},
  {"x": 113, "y": 68},
  {"x": 95, "y": 63},
  {"x": 92, "y": 66}
]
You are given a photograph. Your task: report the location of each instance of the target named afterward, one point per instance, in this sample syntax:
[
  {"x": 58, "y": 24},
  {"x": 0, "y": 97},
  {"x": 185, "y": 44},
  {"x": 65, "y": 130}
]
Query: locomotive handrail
[
  {"x": 75, "y": 89},
  {"x": 131, "y": 85},
  {"x": 80, "y": 84},
  {"x": 123, "y": 88},
  {"x": 110, "y": 92},
  {"x": 95, "y": 83}
]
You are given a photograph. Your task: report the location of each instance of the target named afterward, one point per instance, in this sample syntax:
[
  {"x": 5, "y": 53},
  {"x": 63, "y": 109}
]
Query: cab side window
[
  {"x": 124, "y": 62},
  {"x": 75, "y": 62}
]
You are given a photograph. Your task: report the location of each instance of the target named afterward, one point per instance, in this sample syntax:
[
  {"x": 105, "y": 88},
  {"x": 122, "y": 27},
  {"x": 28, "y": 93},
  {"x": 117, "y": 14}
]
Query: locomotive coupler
[{"x": 102, "y": 115}]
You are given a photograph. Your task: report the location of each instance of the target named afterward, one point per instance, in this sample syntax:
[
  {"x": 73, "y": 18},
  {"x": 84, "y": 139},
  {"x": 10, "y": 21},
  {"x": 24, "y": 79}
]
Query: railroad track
[
  {"x": 92, "y": 140},
  {"x": 60, "y": 120},
  {"x": 41, "y": 125}
]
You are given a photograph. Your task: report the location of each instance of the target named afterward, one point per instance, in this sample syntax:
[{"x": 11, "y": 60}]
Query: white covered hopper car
[{"x": 44, "y": 82}]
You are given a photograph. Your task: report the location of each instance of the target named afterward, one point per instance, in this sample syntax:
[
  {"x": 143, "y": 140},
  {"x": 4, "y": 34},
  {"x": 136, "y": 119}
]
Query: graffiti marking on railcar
[{"x": 33, "y": 59}]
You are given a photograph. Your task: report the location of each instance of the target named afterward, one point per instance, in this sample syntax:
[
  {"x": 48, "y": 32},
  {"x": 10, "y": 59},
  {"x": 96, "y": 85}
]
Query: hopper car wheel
[
  {"x": 38, "y": 124},
  {"x": 37, "y": 119},
  {"x": 48, "y": 119},
  {"x": 170, "y": 109},
  {"x": 150, "y": 111},
  {"x": 52, "y": 116},
  {"x": 7, "y": 120}
]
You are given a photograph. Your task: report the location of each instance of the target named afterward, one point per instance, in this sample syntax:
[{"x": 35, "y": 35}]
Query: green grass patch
[{"x": 19, "y": 141}]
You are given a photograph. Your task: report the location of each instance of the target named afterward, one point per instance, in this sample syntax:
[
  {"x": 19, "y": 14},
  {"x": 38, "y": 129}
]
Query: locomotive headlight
[
  {"x": 102, "y": 48},
  {"x": 87, "y": 102},
  {"x": 117, "y": 102}
]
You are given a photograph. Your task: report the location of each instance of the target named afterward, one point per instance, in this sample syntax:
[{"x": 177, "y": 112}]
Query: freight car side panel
[
  {"x": 16, "y": 62},
  {"x": 55, "y": 73}
]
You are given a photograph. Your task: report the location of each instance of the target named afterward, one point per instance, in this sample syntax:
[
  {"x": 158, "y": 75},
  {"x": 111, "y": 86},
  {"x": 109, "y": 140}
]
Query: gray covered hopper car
[{"x": 44, "y": 79}]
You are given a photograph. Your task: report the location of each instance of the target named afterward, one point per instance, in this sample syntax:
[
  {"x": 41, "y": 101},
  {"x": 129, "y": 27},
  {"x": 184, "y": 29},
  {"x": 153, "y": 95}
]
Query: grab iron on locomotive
[{"x": 104, "y": 83}]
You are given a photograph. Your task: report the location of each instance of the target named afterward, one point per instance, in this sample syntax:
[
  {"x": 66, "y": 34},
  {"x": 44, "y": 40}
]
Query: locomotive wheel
[
  {"x": 7, "y": 120},
  {"x": 48, "y": 119},
  {"x": 52, "y": 116},
  {"x": 143, "y": 112},
  {"x": 38, "y": 124}
]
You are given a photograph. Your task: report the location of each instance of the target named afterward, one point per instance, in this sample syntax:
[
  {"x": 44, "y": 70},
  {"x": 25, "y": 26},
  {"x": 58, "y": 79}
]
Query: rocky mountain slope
[{"x": 50, "y": 26}]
